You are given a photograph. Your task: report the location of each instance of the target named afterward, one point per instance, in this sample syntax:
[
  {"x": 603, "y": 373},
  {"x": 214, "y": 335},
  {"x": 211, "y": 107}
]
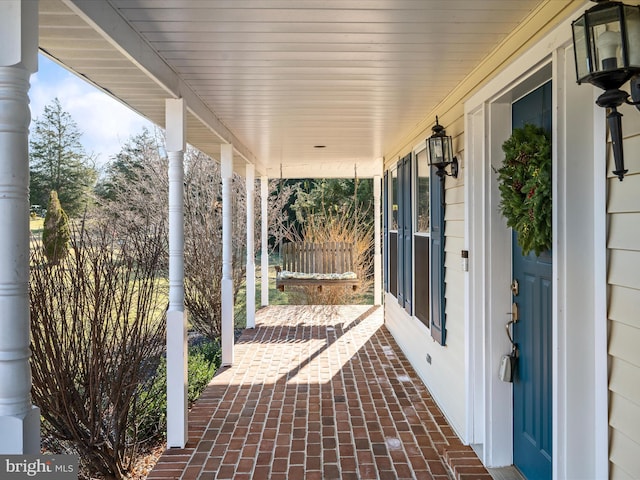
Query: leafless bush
[
  {"x": 343, "y": 224},
  {"x": 203, "y": 241},
  {"x": 280, "y": 226},
  {"x": 97, "y": 335},
  {"x": 136, "y": 191}
]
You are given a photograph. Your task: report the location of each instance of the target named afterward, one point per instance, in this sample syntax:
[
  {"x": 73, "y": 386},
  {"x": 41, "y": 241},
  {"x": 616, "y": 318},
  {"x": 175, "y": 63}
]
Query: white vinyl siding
[
  {"x": 445, "y": 375},
  {"x": 624, "y": 321},
  {"x": 454, "y": 244}
]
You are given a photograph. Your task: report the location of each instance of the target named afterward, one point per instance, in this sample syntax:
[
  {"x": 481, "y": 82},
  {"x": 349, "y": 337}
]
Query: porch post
[
  {"x": 251, "y": 260},
  {"x": 19, "y": 419},
  {"x": 176, "y": 316},
  {"x": 226, "y": 157},
  {"x": 377, "y": 256},
  {"x": 264, "y": 255}
]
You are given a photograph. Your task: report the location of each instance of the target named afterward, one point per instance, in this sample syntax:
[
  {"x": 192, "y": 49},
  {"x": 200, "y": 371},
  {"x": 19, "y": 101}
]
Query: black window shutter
[
  {"x": 401, "y": 207},
  {"x": 407, "y": 213},
  {"x": 436, "y": 201},
  {"x": 385, "y": 229}
]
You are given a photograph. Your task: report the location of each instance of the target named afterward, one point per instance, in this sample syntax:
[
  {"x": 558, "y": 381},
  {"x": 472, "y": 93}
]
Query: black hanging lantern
[
  {"x": 440, "y": 151},
  {"x": 606, "y": 41}
]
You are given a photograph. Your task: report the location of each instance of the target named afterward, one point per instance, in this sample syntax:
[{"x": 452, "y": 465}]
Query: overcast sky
[{"x": 105, "y": 124}]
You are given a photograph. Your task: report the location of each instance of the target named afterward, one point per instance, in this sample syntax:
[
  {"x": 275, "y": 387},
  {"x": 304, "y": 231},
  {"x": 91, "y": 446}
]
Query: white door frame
[{"x": 579, "y": 298}]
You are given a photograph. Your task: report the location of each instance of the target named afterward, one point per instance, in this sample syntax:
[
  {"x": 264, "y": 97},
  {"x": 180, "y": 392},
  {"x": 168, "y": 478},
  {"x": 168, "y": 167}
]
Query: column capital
[
  {"x": 175, "y": 124},
  {"x": 226, "y": 160},
  {"x": 250, "y": 177},
  {"x": 19, "y": 34}
]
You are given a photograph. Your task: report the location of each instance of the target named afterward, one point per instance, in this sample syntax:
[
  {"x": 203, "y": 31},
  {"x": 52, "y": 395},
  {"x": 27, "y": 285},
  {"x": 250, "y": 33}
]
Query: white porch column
[
  {"x": 19, "y": 419},
  {"x": 226, "y": 158},
  {"x": 176, "y": 316},
  {"x": 264, "y": 255},
  {"x": 251, "y": 260},
  {"x": 377, "y": 255}
]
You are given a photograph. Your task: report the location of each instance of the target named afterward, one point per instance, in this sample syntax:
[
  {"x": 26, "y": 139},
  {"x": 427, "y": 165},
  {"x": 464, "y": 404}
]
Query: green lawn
[
  {"x": 275, "y": 297},
  {"x": 36, "y": 226}
]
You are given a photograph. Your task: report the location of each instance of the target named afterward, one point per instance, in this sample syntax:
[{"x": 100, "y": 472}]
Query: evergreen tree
[
  {"x": 58, "y": 161},
  {"x": 56, "y": 234},
  {"x": 322, "y": 196},
  {"x": 128, "y": 166}
]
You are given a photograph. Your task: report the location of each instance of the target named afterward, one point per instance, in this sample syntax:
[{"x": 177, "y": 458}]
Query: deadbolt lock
[{"x": 515, "y": 288}]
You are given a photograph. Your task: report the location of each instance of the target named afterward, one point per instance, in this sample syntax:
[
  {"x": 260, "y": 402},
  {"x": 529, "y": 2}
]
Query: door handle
[
  {"x": 513, "y": 345},
  {"x": 515, "y": 316},
  {"x": 515, "y": 312}
]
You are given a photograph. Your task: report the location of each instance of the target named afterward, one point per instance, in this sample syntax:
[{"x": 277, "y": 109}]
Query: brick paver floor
[{"x": 318, "y": 392}]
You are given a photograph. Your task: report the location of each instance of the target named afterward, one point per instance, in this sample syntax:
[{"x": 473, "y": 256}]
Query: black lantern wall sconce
[
  {"x": 440, "y": 152},
  {"x": 606, "y": 41}
]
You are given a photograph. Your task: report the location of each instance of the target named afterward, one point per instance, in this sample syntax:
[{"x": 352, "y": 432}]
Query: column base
[
  {"x": 177, "y": 379},
  {"x": 377, "y": 279},
  {"x": 227, "y": 326},
  {"x": 251, "y": 295},
  {"x": 20, "y": 433}
]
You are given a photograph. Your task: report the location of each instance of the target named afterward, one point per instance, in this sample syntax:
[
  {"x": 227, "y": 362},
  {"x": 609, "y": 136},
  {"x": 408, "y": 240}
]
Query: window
[
  {"x": 392, "y": 241},
  {"x": 421, "y": 238},
  {"x": 399, "y": 280},
  {"x": 393, "y": 264},
  {"x": 394, "y": 199},
  {"x": 422, "y": 191},
  {"x": 414, "y": 240}
]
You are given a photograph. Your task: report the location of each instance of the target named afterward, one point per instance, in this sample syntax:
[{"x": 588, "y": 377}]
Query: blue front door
[{"x": 532, "y": 388}]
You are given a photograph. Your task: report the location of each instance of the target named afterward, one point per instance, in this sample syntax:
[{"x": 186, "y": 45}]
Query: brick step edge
[{"x": 464, "y": 464}]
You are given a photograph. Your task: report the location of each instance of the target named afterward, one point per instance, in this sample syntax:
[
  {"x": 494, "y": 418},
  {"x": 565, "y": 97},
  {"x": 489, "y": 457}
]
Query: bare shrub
[
  {"x": 97, "y": 332},
  {"x": 203, "y": 241},
  {"x": 342, "y": 224},
  {"x": 135, "y": 190},
  {"x": 280, "y": 225}
]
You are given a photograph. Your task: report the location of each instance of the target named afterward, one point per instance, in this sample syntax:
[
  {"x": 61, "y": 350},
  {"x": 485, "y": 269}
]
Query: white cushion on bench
[{"x": 286, "y": 274}]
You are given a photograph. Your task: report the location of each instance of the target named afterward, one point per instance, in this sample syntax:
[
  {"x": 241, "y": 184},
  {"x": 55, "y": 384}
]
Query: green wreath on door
[{"x": 524, "y": 181}]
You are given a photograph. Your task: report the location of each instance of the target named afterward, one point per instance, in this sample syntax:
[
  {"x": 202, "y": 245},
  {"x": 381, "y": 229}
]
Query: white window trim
[
  {"x": 391, "y": 170},
  {"x": 419, "y": 148}
]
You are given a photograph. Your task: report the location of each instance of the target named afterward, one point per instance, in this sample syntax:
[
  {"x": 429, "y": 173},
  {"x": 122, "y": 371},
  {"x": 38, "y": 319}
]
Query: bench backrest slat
[{"x": 310, "y": 257}]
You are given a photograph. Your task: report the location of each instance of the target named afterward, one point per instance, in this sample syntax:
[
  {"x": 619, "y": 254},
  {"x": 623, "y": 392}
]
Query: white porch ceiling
[{"x": 278, "y": 77}]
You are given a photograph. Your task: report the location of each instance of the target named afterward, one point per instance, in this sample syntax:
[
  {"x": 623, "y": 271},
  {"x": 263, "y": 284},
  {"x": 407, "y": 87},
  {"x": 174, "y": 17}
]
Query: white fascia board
[{"x": 110, "y": 24}]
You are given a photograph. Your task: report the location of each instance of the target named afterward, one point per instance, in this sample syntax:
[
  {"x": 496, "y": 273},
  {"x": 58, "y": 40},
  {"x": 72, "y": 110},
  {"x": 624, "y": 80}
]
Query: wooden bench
[{"x": 316, "y": 264}]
